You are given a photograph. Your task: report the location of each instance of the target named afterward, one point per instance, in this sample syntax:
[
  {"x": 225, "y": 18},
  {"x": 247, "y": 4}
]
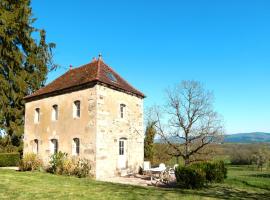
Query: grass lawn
[{"x": 242, "y": 183}]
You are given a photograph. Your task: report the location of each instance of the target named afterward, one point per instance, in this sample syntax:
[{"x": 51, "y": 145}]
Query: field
[{"x": 242, "y": 183}]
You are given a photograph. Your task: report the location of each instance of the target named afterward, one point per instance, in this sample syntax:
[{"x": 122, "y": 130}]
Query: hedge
[
  {"x": 199, "y": 174},
  {"x": 189, "y": 178},
  {"x": 215, "y": 172},
  {"x": 9, "y": 159}
]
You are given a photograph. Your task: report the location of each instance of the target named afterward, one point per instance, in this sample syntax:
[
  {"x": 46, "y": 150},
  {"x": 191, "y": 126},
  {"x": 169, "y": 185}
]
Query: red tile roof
[{"x": 95, "y": 72}]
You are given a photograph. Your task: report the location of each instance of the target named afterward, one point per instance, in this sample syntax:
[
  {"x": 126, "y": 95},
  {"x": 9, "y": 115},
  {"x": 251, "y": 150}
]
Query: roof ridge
[{"x": 98, "y": 69}]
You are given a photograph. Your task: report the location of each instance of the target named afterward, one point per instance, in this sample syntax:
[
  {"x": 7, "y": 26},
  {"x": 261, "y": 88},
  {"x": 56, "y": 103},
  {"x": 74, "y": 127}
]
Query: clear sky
[{"x": 225, "y": 44}]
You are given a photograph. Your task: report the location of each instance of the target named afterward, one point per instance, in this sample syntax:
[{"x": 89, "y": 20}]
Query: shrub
[
  {"x": 30, "y": 162},
  {"x": 220, "y": 165},
  {"x": 69, "y": 167},
  {"x": 9, "y": 159},
  {"x": 57, "y": 163},
  {"x": 61, "y": 164},
  {"x": 83, "y": 168},
  {"x": 214, "y": 172},
  {"x": 189, "y": 178},
  {"x": 241, "y": 157}
]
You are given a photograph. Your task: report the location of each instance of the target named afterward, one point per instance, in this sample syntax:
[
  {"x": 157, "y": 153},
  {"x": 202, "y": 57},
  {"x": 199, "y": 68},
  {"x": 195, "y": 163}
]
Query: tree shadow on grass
[
  {"x": 246, "y": 183},
  {"x": 222, "y": 192},
  {"x": 218, "y": 192},
  {"x": 260, "y": 175}
]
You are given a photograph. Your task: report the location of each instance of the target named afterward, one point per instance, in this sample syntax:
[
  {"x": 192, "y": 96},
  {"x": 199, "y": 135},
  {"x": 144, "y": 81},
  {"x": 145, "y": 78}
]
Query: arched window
[
  {"x": 76, "y": 146},
  {"x": 55, "y": 112},
  {"x": 122, "y": 110},
  {"x": 76, "y": 109},
  {"x": 37, "y": 115},
  {"x": 36, "y": 146},
  {"x": 54, "y": 146}
]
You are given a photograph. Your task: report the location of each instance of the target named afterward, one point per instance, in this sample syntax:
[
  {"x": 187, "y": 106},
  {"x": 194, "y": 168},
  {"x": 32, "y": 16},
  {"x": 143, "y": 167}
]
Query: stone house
[{"x": 88, "y": 112}]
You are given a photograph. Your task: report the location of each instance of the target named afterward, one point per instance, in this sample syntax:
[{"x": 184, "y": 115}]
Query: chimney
[{"x": 99, "y": 56}]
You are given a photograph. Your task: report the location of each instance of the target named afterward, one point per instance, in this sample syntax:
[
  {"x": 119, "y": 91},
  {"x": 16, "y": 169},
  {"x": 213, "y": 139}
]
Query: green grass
[{"x": 242, "y": 183}]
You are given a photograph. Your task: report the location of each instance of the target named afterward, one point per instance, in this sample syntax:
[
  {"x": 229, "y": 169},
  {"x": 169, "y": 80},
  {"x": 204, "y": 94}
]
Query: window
[
  {"x": 76, "y": 147},
  {"x": 54, "y": 146},
  {"x": 121, "y": 147},
  {"x": 111, "y": 77},
  {"x": 77, "y": 109},
  {"x": 122, "y": 110},
  {"x": 55, "y": 112},
  {"x": 37, "y": 115},
  {"x": 35, "y": 149}
]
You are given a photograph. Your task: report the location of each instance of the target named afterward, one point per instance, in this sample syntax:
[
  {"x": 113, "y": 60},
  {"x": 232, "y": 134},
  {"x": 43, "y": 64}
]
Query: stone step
[{"x": 126, "y": 172}]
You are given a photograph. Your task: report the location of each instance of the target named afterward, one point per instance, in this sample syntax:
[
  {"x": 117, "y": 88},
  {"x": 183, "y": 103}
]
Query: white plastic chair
[
  {"x": 146, "y": 166},
  {"x": 162, "y": 166}
]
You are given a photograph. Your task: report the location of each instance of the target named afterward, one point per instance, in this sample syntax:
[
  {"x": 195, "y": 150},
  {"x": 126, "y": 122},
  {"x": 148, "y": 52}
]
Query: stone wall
[
  {"x": 66, "y": 127},
  {"x": 111, "y": 127}
]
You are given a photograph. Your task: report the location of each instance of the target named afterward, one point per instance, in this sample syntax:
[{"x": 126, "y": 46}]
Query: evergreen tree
[
  {"x": 149, "y": 141},
  {"x": 24, "y": 64}
]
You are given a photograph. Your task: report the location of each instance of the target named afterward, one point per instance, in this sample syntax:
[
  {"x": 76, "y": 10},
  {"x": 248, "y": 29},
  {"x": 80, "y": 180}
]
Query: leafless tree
[{"x": 191, "y": 124}]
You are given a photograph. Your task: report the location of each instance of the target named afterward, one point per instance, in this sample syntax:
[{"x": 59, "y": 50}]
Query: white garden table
[{"x": 156, "y": 174}]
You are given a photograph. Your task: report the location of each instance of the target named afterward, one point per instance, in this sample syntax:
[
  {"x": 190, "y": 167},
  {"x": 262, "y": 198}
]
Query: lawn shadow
[
  {"x": 223, "y": 192},
  {"x": 260, "y": 175},
  {"x": 213, "y": 191}
]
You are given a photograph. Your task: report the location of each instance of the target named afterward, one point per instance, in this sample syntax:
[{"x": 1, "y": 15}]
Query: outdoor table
[{"x": 156, "y": 171}]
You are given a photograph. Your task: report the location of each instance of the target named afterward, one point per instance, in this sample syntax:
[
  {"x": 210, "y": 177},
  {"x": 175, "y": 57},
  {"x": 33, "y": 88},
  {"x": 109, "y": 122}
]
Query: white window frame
[
  {"x": 123, "y": 111},
  {"x": 55, "y": 112},
  {"x": 36, "y": 146},
  {"x": 121, "y": 147},
  {"x": 76, "y": 147},
  {"x": 77, "y": 109},
  {"x": 37, "y": 116},
  {"x": 54, "y": 146}
]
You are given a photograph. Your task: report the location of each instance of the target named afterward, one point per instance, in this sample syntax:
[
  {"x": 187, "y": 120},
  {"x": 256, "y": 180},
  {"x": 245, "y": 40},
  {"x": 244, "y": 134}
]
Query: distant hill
[{"x": 255, "y": 137}]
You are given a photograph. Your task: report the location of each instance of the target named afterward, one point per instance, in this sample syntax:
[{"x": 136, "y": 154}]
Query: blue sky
[{"x": 224, "y": 44}]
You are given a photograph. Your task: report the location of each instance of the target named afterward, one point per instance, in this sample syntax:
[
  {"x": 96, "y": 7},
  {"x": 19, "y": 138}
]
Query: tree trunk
[{"x": 187, "y": 161}]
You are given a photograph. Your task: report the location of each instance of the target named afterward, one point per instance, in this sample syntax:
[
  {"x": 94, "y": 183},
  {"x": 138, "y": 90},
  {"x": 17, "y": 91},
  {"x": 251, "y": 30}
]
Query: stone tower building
[{"x": 88, "y": 112}]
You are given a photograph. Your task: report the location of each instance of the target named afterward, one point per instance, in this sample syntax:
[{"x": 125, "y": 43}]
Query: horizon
[{"x": 224, "y": 45}]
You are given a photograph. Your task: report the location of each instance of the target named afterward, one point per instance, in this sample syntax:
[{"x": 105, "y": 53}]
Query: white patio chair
[
  {"x": 146, "y": 167},
  {"x": 162, "y": 166}
]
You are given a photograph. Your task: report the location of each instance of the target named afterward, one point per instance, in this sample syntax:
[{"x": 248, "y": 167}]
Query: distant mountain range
[{"x": 254, "y": 137}]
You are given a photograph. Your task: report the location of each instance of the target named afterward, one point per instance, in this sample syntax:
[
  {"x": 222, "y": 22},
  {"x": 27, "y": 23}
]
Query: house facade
[{"x": 89, "y": 112}]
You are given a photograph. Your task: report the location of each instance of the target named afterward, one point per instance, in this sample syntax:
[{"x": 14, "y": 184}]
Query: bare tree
[{"x": 191, "y": 124}]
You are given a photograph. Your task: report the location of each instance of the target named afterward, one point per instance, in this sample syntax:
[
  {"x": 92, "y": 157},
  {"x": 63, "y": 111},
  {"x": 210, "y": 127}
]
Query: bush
[
  {"x": 30, "y": 162},
  {"x": 57, "y": 163},
  {"x": 214, "y": 172},
  {"x": 61, "y": 164},
  {"x": 69, "y": 167},
  {"x": 82, "y": 168},
  {"x": 189, "y": 178},
  {"x": 241, "y": 157},
  {"x": 9, "y": 159}
]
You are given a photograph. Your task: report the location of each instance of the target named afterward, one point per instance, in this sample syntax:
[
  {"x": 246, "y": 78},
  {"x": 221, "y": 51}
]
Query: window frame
[
  {"x": 37, "y": 116},
  {"x": 76, "y": 147},
  {"x": 55, "y": 112},
  {"x": 121, "y": 147},
  {"x": 77, "y": 109},
  {"x": 55, "y": 146},
  {"x": 122, "y": 110},
  {"x": 36, "y": 142}
]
